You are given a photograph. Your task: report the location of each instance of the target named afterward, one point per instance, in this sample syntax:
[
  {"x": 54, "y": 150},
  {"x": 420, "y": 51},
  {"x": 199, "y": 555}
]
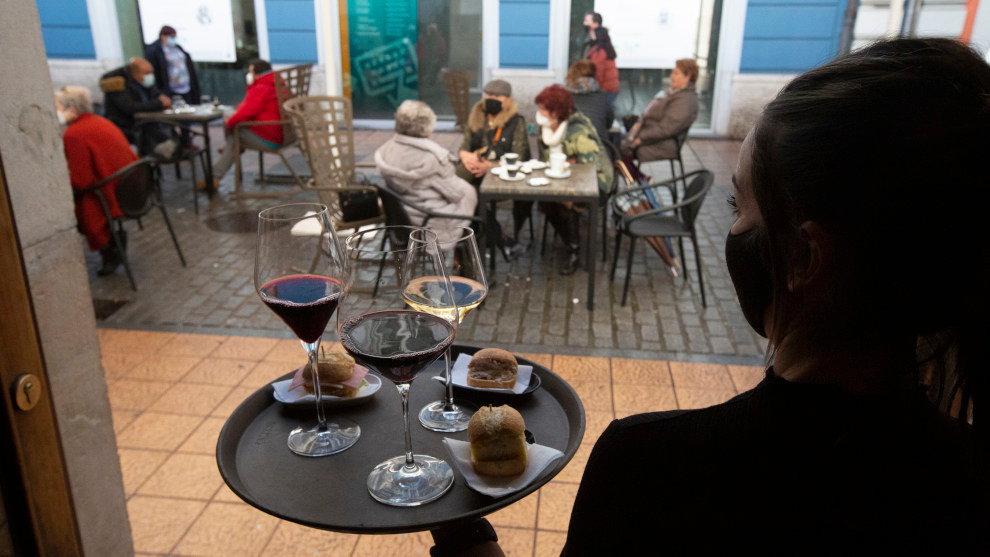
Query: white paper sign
[
  {"x": 204, "y": 28},
  {"x": 651, "y": 33}
]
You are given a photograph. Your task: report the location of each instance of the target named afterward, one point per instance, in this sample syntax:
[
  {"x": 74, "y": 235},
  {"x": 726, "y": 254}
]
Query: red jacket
[
  {"x": 607, "y": 73},
  {"x": 260, "y": 104},
  {"x": 94, "y": 149}
]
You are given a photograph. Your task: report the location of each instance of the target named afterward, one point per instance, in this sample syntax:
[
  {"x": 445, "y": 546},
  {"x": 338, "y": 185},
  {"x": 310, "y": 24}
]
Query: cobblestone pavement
[{"x": 531, "y": 308}]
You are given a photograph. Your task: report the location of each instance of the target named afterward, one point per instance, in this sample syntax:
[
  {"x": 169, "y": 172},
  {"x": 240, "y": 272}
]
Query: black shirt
[{"x": 785, "y": 467}]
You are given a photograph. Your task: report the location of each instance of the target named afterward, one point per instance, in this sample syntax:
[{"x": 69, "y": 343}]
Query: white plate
[
  {"x": 500, "y": 172},
  {"x": 565, "y": 174},
  {"x": 300, "y": 396},
  {"x": 538, "y": 182}
]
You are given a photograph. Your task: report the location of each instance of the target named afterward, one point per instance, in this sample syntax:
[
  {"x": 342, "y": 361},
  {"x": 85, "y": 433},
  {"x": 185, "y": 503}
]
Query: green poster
[{"x": 384, "y": 65}]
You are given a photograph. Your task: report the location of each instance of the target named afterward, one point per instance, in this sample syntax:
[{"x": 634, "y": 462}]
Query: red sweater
[
  {"x": 260, "y": 104},
  {"x": 607, "y": 73},
  {"x": 94, "y": 149}
]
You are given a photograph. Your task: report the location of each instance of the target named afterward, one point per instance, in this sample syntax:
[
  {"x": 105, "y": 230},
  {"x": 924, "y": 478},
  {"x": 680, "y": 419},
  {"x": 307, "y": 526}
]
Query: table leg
[
  {"x": 489, "y": 236},
  {"x": 592, "y": 251},
  {"x": 208, "y": 171}
]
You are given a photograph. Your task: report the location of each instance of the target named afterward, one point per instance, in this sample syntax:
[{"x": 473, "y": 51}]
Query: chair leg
[
  {"x": 261, "y": 166},
  {"x": 615, "y": 254},
  {"x": 238, "y": 174},
  {"x": 381, "y": 266},
  {"x": 532, "y": 235},
  {"x": 192, "y": 169},
  {"x": 604, "y": 234},
  {"x": 123, "y": 254},
  {"x": 285, "y": 161},
  {"x": 629, "y": 263},
  {"x": 680, "y": 252},
  {"x": 178, "y": 171},
  {"x": 171, "y": 232},
  {"x": 673, "y": 174},
  {"x": 543, "y": 241},
  {"x": 697, "y": 260}
]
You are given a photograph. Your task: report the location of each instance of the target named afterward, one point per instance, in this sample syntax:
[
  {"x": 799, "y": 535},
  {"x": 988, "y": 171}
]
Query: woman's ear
[{"x": 812, "y": 260}]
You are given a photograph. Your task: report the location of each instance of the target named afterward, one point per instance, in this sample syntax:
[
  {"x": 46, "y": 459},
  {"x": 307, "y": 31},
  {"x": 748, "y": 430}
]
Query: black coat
[
  {"x": 123, "y": 96},
  {"x": 155, "y": 54}
]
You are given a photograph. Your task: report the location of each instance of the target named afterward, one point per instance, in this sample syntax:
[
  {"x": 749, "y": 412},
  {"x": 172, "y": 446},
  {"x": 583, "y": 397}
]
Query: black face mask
[
  {"x": 493, "y": 106},
  {"x": 747, "y": 256},
  {"x": 587, "y": 28}
]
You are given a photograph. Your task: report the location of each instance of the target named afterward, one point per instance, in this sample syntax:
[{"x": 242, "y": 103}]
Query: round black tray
[{"x": 330, "y": 492}]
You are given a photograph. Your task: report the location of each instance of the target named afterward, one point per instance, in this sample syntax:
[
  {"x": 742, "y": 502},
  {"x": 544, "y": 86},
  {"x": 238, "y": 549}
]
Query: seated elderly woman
[
  {"x": 424, "y": 172},
  {"x": 94, "y": 149},
  {"x": 563, "y": 130}
]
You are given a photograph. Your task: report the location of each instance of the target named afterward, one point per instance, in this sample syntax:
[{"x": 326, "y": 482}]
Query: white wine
[{"x": 427, "y": 294}]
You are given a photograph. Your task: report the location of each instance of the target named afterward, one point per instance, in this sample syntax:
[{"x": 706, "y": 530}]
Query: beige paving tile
[
  {"x": 746, "y": 377},
  {"x": 556, "y": 502},
  {"x": 266, "y": 372},
  {"x": 233, "y": 399},
  {"x": 580, "y": 368},
  {"x": 700, "y": 376},
  {"x": 184, "y": 475},
  {"x": 287, "y": 350},
  {"x": 416, "y": 543},
  {"x": 191, "y": 399},
  {"x": 575, "y": 468},
  {"x": 190, "y": 345},
  {"x": 595, "y": 423},
  {"x": 228, "y": 529},
  {"x": 521, "y": 514},
  {"x": 636, "y": 399},
  {"x": 204, "y": 439},
  {"x": 702, "y": 398},
  {"x": 117, "y": 365},
  {"x": 640, "y": 372},
  {"x": 516, "y": 542},
  {"x": 164, "y": 432},
  {"x": 294, "y": 540},
  {"x": 132, "y": 342},
  {"x": 219, "y": 371},
  {"x": 244, "y": 348},
  {"x": 128, "y": 394},
  {"x": 136, "y": 465},
  {"x": 545, "y": 360},
  {"x": 122, "y": 419},
  {"x": 158, "y": 523},
  {"x": 594, "y": 395},
  {"x": 549, "y": 544},
  {"x": 163, "y": 368}
]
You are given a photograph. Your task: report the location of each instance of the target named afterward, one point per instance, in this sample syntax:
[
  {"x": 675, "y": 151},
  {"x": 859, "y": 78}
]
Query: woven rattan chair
[
  {"x": 326, "y": 137},
  {"x": 290, "y": 83},
  {"x": 458, "y": 89}
]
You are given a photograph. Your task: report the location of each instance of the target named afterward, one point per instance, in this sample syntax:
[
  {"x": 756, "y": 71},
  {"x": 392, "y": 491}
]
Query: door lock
[{"x": 27, "y": 391}]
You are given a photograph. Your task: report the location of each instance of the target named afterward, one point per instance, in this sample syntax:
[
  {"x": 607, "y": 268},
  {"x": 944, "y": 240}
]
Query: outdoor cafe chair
[
  {"x": 138, "y": 192},
  {"x": 677, "y": 220}
]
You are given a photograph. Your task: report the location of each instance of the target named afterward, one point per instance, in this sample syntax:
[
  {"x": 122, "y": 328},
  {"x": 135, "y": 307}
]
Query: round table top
[{"x": 330, "y": 492}]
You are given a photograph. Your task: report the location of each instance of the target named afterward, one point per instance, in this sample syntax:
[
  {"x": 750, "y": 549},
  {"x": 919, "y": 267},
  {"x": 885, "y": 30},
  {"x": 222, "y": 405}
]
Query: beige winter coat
[{"x": 664, "y": 119}]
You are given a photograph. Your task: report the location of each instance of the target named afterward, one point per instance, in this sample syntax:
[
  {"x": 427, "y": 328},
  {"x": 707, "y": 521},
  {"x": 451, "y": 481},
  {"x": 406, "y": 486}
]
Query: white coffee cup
[
  {"x": 510, "y": 159},
  {"x": 557, "y": 161}
]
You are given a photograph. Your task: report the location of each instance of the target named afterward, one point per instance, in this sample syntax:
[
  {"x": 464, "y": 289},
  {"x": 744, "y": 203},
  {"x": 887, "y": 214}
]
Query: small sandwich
[
  {"x": 492, "y": 368},
  {"x": 339, "y": 376},
  {"x": 498, "y": 441}
]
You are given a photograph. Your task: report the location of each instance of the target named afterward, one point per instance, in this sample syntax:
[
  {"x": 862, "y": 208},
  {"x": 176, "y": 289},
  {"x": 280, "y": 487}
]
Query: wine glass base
[
  {"x": 434, "y": 417},
  {"x": 339, "y": 435},
  {"x": 392, "y": 483}
]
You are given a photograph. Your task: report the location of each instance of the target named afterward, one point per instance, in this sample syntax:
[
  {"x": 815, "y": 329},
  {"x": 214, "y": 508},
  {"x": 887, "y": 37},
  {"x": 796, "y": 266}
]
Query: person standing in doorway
[
  {"x": 598, "y": 48},
  {"x": 175, "y": 73}
]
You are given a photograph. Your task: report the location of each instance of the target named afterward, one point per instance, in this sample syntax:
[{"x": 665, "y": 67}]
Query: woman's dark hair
[
  {"x": 167, "y": 30},
  {"x": 260, "y": 66},
  {"x": 596, "y": 17},
  {"x": 886, "y": 148},
  {"x": 604, "y": 42},
  {"x": 558, "y": 101}
]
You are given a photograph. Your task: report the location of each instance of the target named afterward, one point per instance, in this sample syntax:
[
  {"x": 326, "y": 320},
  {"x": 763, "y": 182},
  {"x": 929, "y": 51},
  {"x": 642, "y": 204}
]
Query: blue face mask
[
  {"x": 148, "y": 80},
  {"x": 170, "y": 41}
]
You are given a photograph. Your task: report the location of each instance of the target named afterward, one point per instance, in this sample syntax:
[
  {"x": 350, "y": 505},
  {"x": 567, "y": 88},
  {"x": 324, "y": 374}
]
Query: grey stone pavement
[{"x": 531, "y": 308}]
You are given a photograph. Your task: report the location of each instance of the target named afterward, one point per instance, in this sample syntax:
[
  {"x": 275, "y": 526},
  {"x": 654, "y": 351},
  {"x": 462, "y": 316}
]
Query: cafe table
[
  {"x": 580, "y": 187},
  {"x": 202, "y": 115},
  {"x": 331, "y": 493}
]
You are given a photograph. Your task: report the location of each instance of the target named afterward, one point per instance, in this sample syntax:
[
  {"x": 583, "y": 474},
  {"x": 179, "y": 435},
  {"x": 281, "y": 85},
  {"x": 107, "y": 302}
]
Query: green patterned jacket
[{"x": 582, "y": 144}]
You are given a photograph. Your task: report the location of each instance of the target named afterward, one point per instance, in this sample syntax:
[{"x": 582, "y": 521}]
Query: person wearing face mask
[
  {"x": 175, "y": 72},
  {"x": 131, "y": 89},
  {"x": 94, "y": 149},
  {"x": 598, "y": 49},
  {"x": 260, "y": 104}
]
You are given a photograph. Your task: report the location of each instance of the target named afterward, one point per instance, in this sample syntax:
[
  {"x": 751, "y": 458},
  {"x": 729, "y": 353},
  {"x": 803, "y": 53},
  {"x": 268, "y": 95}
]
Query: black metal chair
[
  {"x": 677, "y": 220},
  {"x": 138, "y": 191},
  {"x": 182, "y": 153}
]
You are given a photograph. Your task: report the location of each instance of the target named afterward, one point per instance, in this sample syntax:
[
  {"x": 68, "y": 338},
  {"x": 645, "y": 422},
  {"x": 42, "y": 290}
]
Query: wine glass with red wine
[
  {"x": 298, "y": 273},
  {"x": 380, "y": 332}
]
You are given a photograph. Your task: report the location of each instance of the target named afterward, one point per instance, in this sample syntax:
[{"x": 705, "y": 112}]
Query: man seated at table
[
  {"x": 260, "y": 104},
  {"x": 94, "y": 149},
  {"x": 131, "y": 89}
]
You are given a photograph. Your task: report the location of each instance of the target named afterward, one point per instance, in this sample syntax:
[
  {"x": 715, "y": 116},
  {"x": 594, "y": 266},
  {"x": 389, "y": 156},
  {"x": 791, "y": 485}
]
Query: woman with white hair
[
  {"x": 94, "y": 149},
  {"x": 424, "y": 172}
]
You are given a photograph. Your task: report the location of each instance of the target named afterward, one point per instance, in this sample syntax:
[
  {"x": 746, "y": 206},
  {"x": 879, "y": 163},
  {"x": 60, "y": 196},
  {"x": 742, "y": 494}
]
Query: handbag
[{"x": 359, "y": 205}]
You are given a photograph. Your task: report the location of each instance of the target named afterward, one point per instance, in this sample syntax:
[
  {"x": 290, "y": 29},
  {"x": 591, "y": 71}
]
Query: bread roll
[
  {"x": 498, "y": 441},
  {"x": 334, "y": 367},
  {"x": 492, "y": 368}
]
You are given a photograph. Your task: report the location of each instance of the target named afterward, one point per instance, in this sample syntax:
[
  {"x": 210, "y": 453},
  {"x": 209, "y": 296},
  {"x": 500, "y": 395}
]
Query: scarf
[{"x": 554, "y": 139}]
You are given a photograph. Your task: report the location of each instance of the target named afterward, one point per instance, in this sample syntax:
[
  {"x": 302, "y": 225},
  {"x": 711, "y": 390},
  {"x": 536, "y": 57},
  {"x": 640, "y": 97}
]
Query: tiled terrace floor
[{"x": 170, "y": 394}]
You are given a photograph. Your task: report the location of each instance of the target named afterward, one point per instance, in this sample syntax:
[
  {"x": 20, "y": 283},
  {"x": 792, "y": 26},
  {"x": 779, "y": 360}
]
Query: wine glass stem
[
  {"x": 404, "y": 395},
  {"x": 313, "y": 349},
  {"x": 448, "y": 402}
]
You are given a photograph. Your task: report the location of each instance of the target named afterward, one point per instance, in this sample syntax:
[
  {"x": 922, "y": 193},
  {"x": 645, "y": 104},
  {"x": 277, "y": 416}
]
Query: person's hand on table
[
  {"x": 483, "y": 167},
  {"x": 166, "y": 102}
]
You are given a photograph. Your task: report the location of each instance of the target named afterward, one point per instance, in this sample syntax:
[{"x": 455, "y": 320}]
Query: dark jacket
[
  {"x": 664, "y": 119},
  {"x": 591, "y": 101},
  {"x": 480, "y": 135},
  {"x": 123, "y": 96},
  {"x": 155, "y": 54}
]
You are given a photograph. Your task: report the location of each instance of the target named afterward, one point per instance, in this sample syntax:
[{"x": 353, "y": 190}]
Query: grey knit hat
[{"x": 498, "y": 87}]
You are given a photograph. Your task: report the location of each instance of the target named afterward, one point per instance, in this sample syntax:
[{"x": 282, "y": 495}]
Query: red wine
[
  {"x": 396, "y": 343},
  {"x": 304, "y": 302}
]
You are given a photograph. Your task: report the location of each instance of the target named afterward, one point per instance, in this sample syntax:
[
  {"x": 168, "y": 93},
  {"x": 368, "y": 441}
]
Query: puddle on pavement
[
  {"x": 234, "y": 223},
  {"x": 106, "y": 308}
]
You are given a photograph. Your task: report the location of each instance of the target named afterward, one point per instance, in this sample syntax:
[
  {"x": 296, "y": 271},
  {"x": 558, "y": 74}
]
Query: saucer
[
  {"x": 551, "y": 174},
  {"x": 500, "y": 172}
]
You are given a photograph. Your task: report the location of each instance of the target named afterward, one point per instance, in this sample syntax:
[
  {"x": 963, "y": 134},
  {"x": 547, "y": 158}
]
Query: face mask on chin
[
  {"x": 747, "y": 258},
  {"x": 249, "y": 78},
  {"x": 493, "y": 106},
  {"x": 148, "y": 80}
]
